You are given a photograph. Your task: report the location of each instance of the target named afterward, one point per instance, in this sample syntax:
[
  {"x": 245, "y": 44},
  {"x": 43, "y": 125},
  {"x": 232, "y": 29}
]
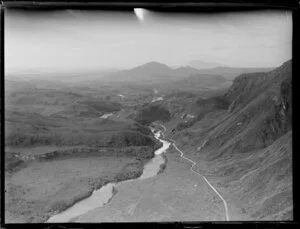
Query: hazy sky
[{"x": 67, "y": 40}]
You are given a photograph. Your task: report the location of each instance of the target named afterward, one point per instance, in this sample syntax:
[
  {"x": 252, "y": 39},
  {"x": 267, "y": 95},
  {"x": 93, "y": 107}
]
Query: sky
[{"x": 70, "y": 40}]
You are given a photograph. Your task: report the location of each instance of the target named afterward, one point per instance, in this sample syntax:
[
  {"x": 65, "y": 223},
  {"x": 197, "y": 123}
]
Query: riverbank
[
  {"x": 175, "y": 194},
  {"x": 44, "y": 187},
  {"x": 102, "y": 196}
]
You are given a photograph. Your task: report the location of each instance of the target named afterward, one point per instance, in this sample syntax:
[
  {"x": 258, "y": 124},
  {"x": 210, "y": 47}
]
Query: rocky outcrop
[
  {"x": 280, "y": 120},
  {"x": 231, "y": 106},
  {"x": 247, "y": 87}
]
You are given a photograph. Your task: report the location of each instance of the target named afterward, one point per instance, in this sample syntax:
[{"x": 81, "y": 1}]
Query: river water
[
  {"x": 101, "y": 196},
  {"x": 157, "y": 99},
  {"x": 106, "y": 115}
]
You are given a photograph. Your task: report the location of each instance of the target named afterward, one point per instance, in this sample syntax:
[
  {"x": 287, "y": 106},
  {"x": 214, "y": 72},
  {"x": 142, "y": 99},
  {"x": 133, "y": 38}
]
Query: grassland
[
  {"x": 42, "y": 180},
  {"x": 40, "y": 188}
]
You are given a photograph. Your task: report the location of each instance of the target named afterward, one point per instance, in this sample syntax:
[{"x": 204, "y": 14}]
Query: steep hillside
[
  {"x": 258, "y": 112},
  {"x": 267, "y": 183},
  {"x": 250, "y": 133}
]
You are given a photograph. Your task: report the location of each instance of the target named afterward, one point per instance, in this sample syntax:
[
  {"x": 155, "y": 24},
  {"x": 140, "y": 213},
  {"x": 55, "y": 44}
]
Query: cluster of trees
[{"x": 151, "y": 113}]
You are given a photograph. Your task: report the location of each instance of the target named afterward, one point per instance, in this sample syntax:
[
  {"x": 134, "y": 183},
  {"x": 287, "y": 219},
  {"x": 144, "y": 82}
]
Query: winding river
[{"x": 102, "y": 196}]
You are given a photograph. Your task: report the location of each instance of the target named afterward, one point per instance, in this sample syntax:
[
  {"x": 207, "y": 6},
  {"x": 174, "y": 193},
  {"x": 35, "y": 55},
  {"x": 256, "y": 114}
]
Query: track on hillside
[{"x": 193, "y": 164}]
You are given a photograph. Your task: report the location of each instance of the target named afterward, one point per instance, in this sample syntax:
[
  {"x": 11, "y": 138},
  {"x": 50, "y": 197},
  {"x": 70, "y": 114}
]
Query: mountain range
[
  {"x": 148, "y": 72},
  {"x": 154, "y": 71}
]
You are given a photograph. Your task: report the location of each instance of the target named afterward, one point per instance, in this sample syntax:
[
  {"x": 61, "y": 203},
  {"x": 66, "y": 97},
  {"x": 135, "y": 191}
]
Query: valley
[
  {"x": 127, "y": 112},
  {"x": 229, "y": 154}
]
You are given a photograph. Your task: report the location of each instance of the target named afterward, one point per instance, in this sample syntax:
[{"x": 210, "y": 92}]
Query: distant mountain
[
  {"x": 153, "y": 67},
  {"x": 153, "y": 72},
  {"x": 185, "y": 71},
  {"x": 145, "y": 72},
  {"x": 203, "y": 65},
  {"x": 231, "y": 73}
]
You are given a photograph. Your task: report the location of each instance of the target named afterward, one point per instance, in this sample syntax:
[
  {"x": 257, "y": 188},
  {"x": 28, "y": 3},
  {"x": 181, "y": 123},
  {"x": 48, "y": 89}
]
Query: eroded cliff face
[
  {"x": 258, "y": 112},
  {"x": 262, "y": 104},
  {"x": 247, "y": 87},
  {"x": 279, "y": 122}
]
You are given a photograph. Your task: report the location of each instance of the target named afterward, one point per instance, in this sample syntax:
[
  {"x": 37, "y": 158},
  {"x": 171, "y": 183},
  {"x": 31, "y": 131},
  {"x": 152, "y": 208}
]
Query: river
[
  {"x": 106, "y": 115},
  {"x": 157, "y": 99},
  {"x": 102, "y": 196}
]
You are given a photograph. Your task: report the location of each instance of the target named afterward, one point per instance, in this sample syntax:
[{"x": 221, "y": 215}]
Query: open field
[{"x": 43, "y": 187}]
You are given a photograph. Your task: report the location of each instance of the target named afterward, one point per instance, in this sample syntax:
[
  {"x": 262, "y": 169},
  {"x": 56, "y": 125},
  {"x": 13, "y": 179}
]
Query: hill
[
  {"x": 145, "y": 72},
  {"x": 244, "y": 137}
]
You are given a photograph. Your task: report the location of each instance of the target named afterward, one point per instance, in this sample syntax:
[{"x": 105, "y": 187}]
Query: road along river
[
  {"x": 102, "y": 196},
  {"x": 176, "y": 194},
  {"x": 193, "y": 164}
]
